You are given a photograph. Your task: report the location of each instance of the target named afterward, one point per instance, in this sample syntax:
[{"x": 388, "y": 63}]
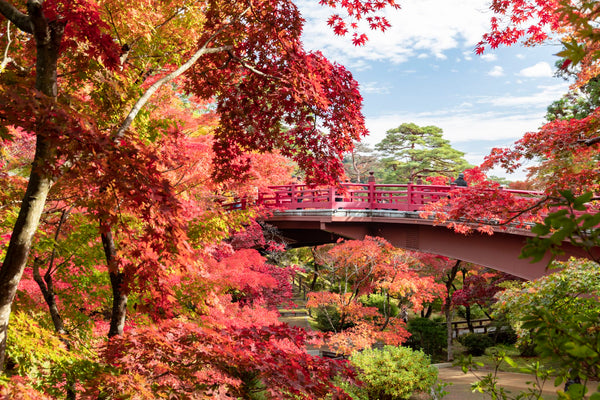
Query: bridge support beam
[{"x": 499, "y": 251}]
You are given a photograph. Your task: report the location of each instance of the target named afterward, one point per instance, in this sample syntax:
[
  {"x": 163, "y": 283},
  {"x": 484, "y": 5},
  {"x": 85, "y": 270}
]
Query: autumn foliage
[
  {"x": 358, "y": 269},
  {"x": 126, "y": 128}
]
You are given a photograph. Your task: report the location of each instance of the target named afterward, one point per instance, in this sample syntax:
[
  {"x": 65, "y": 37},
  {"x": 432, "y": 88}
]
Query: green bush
[
  {"x": 426, "y": 335},
  {"x": 476, "y": 343},
  {"x": 391, "y": 373},
  {"x": 503, "y": 333},
  {"x": 38, "y": 355},
  {"x": 328, "y": 319},
  {"x": 379, "y": 301}
]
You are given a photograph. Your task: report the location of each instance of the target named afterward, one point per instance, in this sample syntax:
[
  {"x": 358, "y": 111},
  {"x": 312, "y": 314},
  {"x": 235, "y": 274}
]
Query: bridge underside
[{"x": 406, "y": 230}]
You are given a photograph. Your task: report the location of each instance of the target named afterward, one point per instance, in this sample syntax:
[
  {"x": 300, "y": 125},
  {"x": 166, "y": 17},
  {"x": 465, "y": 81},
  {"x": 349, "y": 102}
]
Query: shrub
[
  {"x": 328, "y": 319},
  {"x": 426, "y": 335},
  {"x": 391, "y": 373},
  {"x": 503, "y": 333},
  {"x": 37, "y": 358},
  {"x": 379, "y": 301},
  {"x": 476, "y": 343}
]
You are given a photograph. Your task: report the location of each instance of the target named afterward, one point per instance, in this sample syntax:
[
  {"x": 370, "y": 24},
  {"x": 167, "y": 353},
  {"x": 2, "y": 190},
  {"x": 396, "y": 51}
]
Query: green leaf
[
  {"x": 590, "y": 220},
  {"x": 510, "y": 361},
  {"x": 579, "y": 203},
  {"x": 5, "y": 134},
  {"x": 567, "y": 194},
  {"x": 578, "y": 351},
  {"x": 540, "y": 229}
]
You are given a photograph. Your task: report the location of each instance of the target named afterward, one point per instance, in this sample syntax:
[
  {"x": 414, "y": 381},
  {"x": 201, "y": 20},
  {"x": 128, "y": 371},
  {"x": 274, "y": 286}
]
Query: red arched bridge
[{"x": 307, "y": 216}]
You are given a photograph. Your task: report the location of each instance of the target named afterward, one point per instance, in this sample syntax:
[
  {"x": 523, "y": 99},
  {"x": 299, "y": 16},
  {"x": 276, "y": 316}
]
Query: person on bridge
[{"x": 460, "y": 181}]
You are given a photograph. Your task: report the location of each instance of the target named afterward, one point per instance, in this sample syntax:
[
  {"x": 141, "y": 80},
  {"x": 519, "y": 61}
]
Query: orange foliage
[{"x": 358, "y": 268}]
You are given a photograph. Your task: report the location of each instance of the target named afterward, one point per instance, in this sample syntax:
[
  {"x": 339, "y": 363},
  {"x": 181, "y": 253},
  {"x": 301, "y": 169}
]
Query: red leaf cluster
[
  {"x": 565, "y": 162},
  {"x": 183, "y": 358},
  {"x": 480, "y": 289},
  {"x": 483, "y": 206}
]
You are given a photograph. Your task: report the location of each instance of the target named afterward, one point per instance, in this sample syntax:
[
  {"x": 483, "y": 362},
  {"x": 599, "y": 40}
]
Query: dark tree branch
[
  {"x": 590, "y": 141},
  {"x": 21, "y": 20}
]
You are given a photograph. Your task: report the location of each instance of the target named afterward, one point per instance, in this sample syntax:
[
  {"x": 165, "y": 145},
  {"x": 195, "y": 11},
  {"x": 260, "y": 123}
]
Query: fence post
[
  {"x": 371, "y": 181},
  {"x": 409, "y": 198},
  {"x": 331, "y": 198},
  {"x": 259, "y": 198},
  {"x": 293, "y": 199}
]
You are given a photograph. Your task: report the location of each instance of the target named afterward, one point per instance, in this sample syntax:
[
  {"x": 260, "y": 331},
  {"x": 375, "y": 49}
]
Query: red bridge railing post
[
  {"x": 409, "y": 197},
  {"x": 332, "y": 198},
  {"x": 293, "y": 199},
  {"x": 372, "y": 200}
]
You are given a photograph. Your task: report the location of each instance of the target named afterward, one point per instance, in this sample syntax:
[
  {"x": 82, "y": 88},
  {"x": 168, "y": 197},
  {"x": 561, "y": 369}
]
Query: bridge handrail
[{"x": 402, "y": 197}]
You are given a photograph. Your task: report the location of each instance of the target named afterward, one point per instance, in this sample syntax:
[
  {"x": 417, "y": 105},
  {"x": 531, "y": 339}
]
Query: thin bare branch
[
  {"x": 250, "y": 67},
  {"x": 158, "y": 84},
  {"x": 6, "y": 59},
  {"x": 183, "y": 68},
  {"x": 112, "y": 22},
  {"x": 590, "y": 141},
  {"x": 521, "y": 212}
]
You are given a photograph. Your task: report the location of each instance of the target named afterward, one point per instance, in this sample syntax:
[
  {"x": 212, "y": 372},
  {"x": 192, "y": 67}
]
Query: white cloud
[
  {"x": 539, "y": 70},
  {"x": 474, "y": 133},
  {"x": 496, "y": 71},
  {"x": 489, "y": 57},
  {"x": 543, "y": 96},
  {"x": 374, "y": 87},
  {"x": 420, "y": 26},
  {"x": 460, "y": 126}
]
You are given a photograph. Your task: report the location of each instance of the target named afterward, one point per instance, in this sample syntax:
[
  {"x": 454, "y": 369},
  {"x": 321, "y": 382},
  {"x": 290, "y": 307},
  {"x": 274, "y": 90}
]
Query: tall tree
[
  {"x": 253, "y": 65},
  {"x": 359, "y": 268},
  {"x": 411, "y": 151}
]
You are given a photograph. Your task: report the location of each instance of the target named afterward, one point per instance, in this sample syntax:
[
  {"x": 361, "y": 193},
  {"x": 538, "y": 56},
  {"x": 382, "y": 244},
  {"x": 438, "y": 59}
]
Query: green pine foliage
[{"x": 410, "y": 151}]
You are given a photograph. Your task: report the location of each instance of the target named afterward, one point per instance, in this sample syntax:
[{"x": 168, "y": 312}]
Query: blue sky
[{"x": 423, "y": 70}]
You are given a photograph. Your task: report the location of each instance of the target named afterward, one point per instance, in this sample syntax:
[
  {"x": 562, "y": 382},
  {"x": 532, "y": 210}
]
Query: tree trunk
[
  {"x": 47, "y": 288},
  {"x": 448, "y": 308},
  {"x": 119, "y": 307},
  {"x": 449, "y": 315},
  {"x": 48, "y": 36},
  {"x": 468, "y": 318},
  {"x": 426, "y": 312},
  {"x": 21, "y": 240}
]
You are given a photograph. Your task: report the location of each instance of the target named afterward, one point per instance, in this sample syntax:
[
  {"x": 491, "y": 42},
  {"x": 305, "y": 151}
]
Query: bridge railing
[{"x": 402, "y": 197}]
